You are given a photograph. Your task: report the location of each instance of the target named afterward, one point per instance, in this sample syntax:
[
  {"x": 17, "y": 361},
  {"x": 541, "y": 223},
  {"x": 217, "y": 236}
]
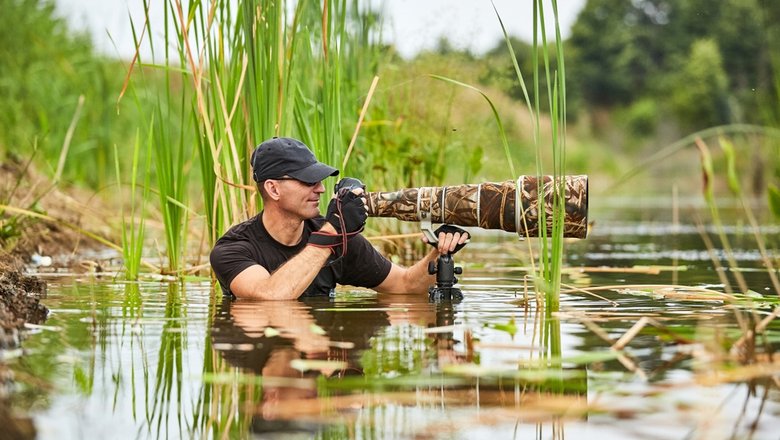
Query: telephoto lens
[{"x": 525, "y": 206}]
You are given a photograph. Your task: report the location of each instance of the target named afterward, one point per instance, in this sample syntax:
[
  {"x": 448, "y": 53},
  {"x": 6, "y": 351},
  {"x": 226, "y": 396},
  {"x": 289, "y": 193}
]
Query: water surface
[{"x": 161, "y": 359}]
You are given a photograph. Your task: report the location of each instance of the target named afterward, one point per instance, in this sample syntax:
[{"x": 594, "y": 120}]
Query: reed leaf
[
  {"x": 496, "y": 116},
  {"x": 551, "y": 247},
  {"x": 773, "y": 198},
  {"x": 127, "y": 248}
]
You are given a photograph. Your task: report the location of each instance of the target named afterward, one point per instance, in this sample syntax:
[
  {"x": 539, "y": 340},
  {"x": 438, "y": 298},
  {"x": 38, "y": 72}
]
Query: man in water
[{"x": 290, "y": 250}]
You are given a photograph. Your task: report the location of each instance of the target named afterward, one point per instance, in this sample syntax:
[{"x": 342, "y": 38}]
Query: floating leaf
[
  {"x": 364, "y": 309},
  {"x": 315, "y": 364},
  {"x": 317, "y": 330},
  {"x": 510, "y": 327},
  {"x": 591, "y": 357},
  {"x": 231, "y": 378},
  {"x": 753, "y": 294},
  {"x": 379, "y": 383},
  {"x": 529, "y": 374}
]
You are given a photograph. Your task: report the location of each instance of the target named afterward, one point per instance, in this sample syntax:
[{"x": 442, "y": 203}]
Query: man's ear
[{"x": 272, "y": 189}]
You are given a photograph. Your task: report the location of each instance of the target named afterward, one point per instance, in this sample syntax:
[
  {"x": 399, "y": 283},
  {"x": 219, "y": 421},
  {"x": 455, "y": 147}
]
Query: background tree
[
  {"x": 622, "y": 52},
  {"x": 700, "y": 91},
  {"x": 500, "y": 71},
  {"x": 616, "y": 49}
]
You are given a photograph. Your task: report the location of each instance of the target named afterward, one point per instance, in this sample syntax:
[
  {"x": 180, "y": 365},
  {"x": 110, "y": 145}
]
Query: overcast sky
[
  {"x": 412, "y": 25},
  {"x": 468, "y": 24}
]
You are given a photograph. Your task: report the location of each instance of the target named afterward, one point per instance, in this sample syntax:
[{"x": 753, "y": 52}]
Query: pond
[{"x": 653, "y": 344}]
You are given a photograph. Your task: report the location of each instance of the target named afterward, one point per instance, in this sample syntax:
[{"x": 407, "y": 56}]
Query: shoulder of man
[{"x": 242, "y": 231}]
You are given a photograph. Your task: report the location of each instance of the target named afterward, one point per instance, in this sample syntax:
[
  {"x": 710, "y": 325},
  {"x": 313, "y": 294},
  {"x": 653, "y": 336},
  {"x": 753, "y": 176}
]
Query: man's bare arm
[
  {"x": 416, "y": 279},
  {"x": 287, "y": 282}
]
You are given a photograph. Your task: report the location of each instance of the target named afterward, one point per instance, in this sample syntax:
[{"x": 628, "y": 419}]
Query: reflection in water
[
  {"x": 156, "y": 360},
  {"x": 331, "y": 367},
  {"x": 293, "y": 344}
]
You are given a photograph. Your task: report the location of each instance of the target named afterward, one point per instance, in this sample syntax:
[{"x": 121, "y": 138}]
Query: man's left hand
[
  {"x": 451, "y": 239},
  {"x": 347, "y": 211}
]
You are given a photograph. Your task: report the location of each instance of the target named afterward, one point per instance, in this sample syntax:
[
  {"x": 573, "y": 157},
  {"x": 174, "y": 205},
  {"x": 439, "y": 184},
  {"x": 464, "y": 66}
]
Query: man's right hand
[{"x": 347, "y": 208}]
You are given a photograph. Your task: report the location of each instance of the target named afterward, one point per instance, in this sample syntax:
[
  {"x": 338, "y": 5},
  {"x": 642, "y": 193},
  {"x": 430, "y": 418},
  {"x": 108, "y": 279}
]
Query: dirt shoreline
[
  {"x": 21, "y": 294},
  {"x": 20, "y": 297}
]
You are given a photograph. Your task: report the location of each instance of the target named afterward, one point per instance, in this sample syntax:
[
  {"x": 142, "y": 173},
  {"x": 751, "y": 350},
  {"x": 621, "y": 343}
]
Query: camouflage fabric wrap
[{"x": 491, "y": 205}]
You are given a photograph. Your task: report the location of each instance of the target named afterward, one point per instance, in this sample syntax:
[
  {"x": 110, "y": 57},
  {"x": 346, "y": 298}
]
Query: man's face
[{"x": 300, "y": 198}]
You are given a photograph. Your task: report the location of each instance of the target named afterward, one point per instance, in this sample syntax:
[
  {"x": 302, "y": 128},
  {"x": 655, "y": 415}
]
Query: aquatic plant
[
  {"x": 550, "y": 257},
  {"x": 133, "y": 228},
  {"x": 551, "y": 247},
  {"x": 167, "y": 133},
  {"x": 247, "y": 71}
]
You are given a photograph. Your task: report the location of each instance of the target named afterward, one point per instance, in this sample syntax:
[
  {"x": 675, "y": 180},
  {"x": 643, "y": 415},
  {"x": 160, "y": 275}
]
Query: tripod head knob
[{"x": 445, "y": 271}]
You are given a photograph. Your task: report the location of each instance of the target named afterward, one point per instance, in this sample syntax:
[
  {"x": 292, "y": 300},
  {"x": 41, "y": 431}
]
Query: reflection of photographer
[
  {"x": 267, "y": 338},
  {"x": 289, "y": 249},
  {"x": 264, "y": 339}
]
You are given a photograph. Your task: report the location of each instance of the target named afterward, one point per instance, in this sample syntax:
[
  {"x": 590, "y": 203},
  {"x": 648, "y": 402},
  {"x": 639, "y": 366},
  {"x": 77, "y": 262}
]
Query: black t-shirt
[{"x": 249, "y": 243}]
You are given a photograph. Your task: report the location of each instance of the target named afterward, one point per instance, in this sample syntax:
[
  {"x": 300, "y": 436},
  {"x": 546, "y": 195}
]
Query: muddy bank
[
  {"x": 20, "y": 297},
  {"x": 21, "y": 237}
]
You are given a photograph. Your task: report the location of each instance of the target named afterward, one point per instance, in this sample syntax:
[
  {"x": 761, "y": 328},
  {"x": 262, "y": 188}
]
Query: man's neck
[{"x": 282, "y": 228}]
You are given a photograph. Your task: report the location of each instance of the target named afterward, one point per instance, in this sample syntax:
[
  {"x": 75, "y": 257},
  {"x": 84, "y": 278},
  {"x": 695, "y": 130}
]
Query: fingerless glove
[
  {"x": 451, "y": 229},
  {"x": 347, "y": 212}
]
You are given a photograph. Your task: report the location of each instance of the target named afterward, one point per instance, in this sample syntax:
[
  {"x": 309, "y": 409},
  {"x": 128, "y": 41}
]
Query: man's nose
[{"x": 319, "y": 188}]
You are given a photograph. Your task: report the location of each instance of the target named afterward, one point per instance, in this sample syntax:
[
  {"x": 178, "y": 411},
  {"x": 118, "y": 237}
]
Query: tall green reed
[
  {"x": 735, "y": 187},
  {"x": 548, "y": 274},
  {"x": 552, "y": 257},
  {"x": 133, "y": 228},
  {"x": 167, "y": 132},
  {"x": 263, "y": 69}
]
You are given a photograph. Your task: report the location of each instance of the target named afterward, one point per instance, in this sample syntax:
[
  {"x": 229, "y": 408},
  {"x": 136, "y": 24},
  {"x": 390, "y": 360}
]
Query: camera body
[{"x": 348, "y": 184}]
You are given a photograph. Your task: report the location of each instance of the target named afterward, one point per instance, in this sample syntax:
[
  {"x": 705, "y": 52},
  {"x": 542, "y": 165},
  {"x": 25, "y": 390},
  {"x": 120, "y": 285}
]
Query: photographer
[{"x": 289, "y": 249}]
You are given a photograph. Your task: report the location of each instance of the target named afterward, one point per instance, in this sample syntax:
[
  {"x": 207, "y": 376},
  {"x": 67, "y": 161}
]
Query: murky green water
[{"x": 167, "y": 360}]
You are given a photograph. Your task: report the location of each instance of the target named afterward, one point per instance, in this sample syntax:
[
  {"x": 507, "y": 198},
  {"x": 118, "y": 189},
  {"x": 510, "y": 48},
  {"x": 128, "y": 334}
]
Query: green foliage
[
  {"x": 699, "y": 94},
  {"x": 45, "y": 69},
  {"x": 624, "y": 51},
  {"x": 773, "y": 195},
  {"x": 641, "y": 117},
  {"x": 133, "y": 226},
  {"x": 500, "y": 71},
  {"x": 613, "y": 48},
  {"x": 423, "y": 131},
  {"x": 497, "y": 117}
]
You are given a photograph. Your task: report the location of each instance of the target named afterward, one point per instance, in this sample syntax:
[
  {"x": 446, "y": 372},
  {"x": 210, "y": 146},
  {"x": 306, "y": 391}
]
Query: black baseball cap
[{"x": 278, "y": 157}]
